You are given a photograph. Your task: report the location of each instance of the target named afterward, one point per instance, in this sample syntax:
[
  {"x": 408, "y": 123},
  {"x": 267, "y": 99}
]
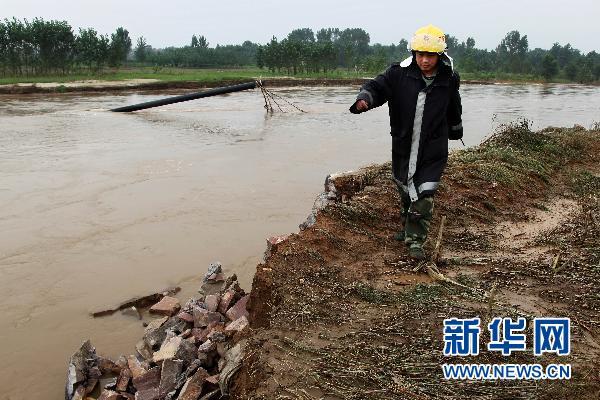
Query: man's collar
[{"x": 414, "y": 71}]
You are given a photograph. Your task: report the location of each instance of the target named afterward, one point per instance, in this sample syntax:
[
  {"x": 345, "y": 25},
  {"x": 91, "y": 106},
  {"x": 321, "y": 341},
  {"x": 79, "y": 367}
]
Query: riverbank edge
[
  {"x": 127, "y": 85},
  {"x": 321, "y": 291},
  {"x": 308, "y": 299}
]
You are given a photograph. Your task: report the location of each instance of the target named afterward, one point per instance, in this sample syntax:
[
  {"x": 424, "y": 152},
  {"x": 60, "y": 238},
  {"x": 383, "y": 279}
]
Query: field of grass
[
  {"x": 176, "y": 75},
  {"x": 212, "y": 75}
]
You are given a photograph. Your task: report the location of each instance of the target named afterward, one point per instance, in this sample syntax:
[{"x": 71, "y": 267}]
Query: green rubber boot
[
  {"x": 416, "y": 252},
  {"x": 418, "y": 222},
  {"x": 400, "y": 236}
]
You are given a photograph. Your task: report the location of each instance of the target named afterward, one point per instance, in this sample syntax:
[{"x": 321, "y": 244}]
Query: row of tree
[
  {"x": 46, "y": 47},
  {"x": 302, "y": 51},
  {"x": 513, "y": 55},
  {"x": 199, "y": 55}
]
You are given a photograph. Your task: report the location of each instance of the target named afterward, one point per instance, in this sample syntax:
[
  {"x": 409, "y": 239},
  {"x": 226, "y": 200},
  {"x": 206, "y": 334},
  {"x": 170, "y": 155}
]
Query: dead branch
[{"x": 438, "y": 242}]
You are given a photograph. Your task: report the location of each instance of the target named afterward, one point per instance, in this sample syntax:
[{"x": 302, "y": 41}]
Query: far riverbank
[{"x": 163, "y": 79}]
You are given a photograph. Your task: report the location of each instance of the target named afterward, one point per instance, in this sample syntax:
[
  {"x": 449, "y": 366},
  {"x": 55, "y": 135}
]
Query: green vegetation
[
  {"x": 173, "y": 74},
  {"x": 34, "y": 51},
  {"x": 50, "y": 47},
  {"x": 199, "y": 55},
  {"x": 585, "y": 183},
  {"x": 417, "y": 294},
  {"x": 167, "y": 74},
  {"x": 372, "y": 295},
  {"x": 302, "y": 52},
  {"x": 515, "y": 154}
]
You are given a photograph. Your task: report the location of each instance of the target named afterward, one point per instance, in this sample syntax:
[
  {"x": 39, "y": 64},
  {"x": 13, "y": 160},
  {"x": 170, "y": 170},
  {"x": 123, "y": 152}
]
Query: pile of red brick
[{"x": 190, "y": 353}]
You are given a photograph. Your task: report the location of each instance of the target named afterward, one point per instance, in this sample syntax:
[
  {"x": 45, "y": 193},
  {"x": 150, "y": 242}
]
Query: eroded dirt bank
[{"x": 339, "y": 311}]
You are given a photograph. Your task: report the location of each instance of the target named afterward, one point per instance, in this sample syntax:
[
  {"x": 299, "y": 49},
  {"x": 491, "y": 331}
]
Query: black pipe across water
[{"x": 186, "y": 97}]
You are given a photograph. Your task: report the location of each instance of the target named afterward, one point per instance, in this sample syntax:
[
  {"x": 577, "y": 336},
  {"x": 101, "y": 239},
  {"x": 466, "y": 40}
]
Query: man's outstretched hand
[
  {"x": 362, "y": 105},
  {"x": 359, "y": 106}
]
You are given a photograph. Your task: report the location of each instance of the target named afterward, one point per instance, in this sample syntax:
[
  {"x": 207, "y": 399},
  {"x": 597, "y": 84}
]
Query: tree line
[
  {"x": 49, "y": 47},
  {"x": 303, "y": 51},
  {"x": 513, "y": 55},
  {"x": 200, "y": 55}
]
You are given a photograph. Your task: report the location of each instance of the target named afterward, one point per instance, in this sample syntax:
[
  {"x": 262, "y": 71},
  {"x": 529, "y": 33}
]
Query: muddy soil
[
  {"x": 142, "y": 85},
  {"x": 339, "y": 311}
]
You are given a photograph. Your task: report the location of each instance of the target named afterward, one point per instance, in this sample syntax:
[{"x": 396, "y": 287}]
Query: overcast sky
[{"x": 172, "y": 23}]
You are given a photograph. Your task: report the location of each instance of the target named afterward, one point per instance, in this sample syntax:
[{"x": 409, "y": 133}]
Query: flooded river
[{"x": 98, "y": 207}]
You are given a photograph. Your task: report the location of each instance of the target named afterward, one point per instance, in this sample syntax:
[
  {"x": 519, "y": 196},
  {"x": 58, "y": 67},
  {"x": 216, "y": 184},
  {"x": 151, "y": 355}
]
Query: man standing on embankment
[{"x": 425, "y": 111}]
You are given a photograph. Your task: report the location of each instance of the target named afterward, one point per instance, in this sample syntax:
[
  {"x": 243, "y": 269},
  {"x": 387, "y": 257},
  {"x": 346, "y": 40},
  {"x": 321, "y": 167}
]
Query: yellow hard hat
[{"x": 430, "y": 39}]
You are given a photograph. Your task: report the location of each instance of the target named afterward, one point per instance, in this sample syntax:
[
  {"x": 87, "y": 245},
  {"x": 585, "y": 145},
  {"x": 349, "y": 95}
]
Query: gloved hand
[{"x": 455, "y": 133}]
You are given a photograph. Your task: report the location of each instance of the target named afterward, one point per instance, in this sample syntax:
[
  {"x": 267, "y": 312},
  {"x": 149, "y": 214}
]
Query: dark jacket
[{"x": 419, "y": 145}]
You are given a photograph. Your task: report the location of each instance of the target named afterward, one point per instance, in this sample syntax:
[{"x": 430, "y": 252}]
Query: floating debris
[{"x": 138, "y": 302}]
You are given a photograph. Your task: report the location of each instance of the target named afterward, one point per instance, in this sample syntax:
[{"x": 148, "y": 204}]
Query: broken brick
[
  {"x": 207, "y": 347},
  {"x": 109, "y": 395},
  {"x": 239, "y": 309},
  {"x": 108, "y": 366},
  {"x": 238, "y": 325},
  {"x": 149, "y": 380},
  {"x": 187, "y": 317},
  {"x": 171, "y": 369},
  {"x": 156, "y": 332},
  {"x": 144, "y": 350},
  {"x": 226, "y": 301},
  {"x": 213, "y": 379},
  {"x": 216, "y": 278},
  {"x": 193, "y": 386},
  {"x": 123, "y": 380},
  {"x": 166, "y": 306},
  {"x": 203, "y": 317},
  {"x": 135, "y": 366},
  {"x": 176, "y": 348},
  {"x": 212, "y": 302},
  {"x": 147, "y": 394}
]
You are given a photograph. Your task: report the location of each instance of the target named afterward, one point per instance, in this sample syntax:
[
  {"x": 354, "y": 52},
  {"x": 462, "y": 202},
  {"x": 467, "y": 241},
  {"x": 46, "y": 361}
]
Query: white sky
[{"x": 172, "y": 23}]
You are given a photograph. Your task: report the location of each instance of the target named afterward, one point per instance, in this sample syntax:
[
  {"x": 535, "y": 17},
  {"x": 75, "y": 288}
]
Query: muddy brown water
[{"x": 98, "y": 207}]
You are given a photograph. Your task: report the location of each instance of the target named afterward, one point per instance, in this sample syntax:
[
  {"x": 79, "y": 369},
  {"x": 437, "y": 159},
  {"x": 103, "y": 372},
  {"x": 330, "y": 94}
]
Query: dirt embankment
[
  {"x": 96, "y": 86},
  {"x": 154, "y": 84},
  {"x": 339, "y": 311}
]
